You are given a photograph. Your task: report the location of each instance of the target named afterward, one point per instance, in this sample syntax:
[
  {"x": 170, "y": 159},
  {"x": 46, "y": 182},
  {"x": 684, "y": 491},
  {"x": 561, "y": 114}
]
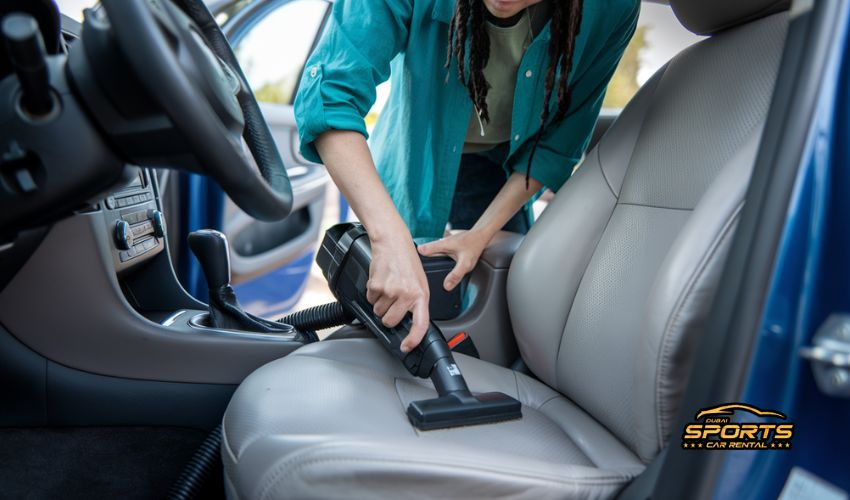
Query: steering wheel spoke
[{"x": 175, "y": 54}]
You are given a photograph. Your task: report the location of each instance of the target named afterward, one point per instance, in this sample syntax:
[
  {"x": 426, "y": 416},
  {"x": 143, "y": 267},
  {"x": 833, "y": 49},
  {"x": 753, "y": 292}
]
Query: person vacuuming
[
  {"x": 344, "y": 258},
  {"x": 491, "y": 101}
]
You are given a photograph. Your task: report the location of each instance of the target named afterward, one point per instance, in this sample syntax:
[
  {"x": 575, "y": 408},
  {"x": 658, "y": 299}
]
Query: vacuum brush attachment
[
  {"x": 462, "y": 408},
  {"x": 455, "y": 405}
]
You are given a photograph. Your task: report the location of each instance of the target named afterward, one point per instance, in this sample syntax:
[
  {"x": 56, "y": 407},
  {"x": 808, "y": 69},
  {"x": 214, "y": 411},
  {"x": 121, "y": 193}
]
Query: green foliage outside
[
  {"x": 624, "y": 84},
  {"x": 275, "y": 93}
]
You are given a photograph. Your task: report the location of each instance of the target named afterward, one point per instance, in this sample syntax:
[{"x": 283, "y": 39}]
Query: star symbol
[{"x": 699, "y": 445}]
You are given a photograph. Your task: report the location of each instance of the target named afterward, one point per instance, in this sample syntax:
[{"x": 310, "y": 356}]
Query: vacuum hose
[
  {"x": 204, "y": 465},
  {"x": 318, "y": 318}
]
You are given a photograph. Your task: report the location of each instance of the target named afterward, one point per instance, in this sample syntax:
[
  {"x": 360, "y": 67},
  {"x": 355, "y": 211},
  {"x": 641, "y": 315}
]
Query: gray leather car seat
[{"x": 607, "y": 296}]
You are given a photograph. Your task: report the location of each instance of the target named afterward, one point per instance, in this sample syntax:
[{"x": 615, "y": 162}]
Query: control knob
[
  {"x": 158, "y": 222},
  {"x": 123, "y": 235}
]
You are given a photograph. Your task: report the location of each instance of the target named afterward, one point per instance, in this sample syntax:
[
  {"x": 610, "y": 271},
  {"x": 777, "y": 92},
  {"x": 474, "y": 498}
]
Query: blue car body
[{"x": 811, "y": 281}]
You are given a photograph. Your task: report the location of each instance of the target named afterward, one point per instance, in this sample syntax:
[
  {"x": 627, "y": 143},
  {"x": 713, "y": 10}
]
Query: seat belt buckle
[{"x": 463, "y": 344}]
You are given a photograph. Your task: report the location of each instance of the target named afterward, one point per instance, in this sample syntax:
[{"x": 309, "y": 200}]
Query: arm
[
  {"x": 466, "y": 247},
  {"x": 352, "y": 58},
  {"x": 336, "y": 92},
  {"x": 397, "y": 283}
]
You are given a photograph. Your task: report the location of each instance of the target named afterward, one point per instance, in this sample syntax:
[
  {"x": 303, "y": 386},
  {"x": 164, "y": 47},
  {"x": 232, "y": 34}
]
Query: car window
[
  {"x": 74, "y": 8},
  {"x": 273, "y": 50},
  {"x": 659, "y": 36}
]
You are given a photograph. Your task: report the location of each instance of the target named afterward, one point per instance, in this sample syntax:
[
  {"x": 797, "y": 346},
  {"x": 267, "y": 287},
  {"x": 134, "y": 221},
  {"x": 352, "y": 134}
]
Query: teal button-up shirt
[{"x": 419, "y": 136}]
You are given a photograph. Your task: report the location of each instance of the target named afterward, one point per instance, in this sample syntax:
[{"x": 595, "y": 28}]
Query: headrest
[{"x": 706, "y": 17}]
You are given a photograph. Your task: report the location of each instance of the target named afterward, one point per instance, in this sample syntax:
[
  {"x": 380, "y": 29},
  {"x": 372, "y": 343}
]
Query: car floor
[{"x": 96, "y": 462}]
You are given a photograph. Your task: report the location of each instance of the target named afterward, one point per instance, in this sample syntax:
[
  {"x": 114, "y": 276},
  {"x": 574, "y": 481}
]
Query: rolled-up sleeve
[
  {"x": 563, "y": 144},
  {"x": 352, "y": 58}
]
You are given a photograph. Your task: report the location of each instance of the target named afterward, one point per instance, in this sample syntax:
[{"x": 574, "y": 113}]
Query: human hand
[
  {"x": 465, "y": 247},
  {"x": 397, "y": 285}
]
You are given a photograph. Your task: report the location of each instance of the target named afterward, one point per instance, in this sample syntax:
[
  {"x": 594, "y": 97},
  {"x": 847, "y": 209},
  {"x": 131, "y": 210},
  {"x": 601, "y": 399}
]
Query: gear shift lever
[{"x": 212, "y": 251}]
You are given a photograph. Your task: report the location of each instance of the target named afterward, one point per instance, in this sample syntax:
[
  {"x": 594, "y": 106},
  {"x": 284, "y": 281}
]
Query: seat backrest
[{"x": 611, "y": 287}]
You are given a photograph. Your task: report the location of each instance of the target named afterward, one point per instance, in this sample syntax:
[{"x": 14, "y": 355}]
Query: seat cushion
[{"x": 329, "y": 421}]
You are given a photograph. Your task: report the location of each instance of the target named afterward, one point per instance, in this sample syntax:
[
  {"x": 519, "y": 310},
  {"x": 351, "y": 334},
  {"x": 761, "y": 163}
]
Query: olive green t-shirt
[{"x": 507, "y": 47}]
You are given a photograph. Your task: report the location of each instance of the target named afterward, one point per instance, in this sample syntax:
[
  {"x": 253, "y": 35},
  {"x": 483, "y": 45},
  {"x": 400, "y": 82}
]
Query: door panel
[
  {"x": 259, "y": 247},
  {"x": 272, "y": 41}
]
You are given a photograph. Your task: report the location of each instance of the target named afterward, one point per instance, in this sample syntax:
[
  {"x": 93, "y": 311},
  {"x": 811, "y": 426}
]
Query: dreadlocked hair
[{"x": 467, "y": 24}]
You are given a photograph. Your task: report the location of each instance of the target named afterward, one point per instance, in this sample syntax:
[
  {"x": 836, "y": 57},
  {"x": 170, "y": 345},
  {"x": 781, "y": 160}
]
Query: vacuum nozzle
[{"x": 461, "y": 409}]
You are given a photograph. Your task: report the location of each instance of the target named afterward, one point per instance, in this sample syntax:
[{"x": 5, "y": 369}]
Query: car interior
[{"x": 602, "y": 322}]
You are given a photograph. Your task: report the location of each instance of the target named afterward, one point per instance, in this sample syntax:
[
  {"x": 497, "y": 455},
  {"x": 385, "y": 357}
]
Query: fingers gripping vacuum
[{"x": 344, "y": 257}]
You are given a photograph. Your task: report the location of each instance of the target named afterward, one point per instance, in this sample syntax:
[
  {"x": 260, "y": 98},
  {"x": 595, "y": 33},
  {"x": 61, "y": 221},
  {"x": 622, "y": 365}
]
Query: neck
[{"x": 504, "y": 22}]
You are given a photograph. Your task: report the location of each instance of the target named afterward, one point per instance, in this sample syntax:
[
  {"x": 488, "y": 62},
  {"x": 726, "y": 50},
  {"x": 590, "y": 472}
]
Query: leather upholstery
[
  {"x": 607, "y": 295},
  {"x": 705, "y": 18},
  {"x": 339, "y": 440},
  {"x": 615, "y": 332}
]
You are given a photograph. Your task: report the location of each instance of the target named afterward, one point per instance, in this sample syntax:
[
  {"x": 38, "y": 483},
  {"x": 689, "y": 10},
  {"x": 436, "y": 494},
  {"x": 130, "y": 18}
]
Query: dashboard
[{"x": 131, "y": 211}]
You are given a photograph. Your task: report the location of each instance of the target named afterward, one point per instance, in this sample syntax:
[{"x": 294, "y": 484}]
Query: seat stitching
[
  {"x": 602, "y": 171},
  {"x": 516, "y": 382},
  {"x": 342, "y": 361},
  {"x": 649, "y": 100},
  {"x": 643, "y": 205},
  {"x": 548, "y": 401},
  {"x": 226, "y": 445},
  {"x": 565, "y": 430},
  {"x": 578, "y": 287},
  {"x": 683, "y": 299},
  {"x": 610, "y": 216},
  {"x": 286, "y": 468}
]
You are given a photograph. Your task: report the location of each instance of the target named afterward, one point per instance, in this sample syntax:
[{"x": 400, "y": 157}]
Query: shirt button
[
  {"x": 528, "y": 74},
  {"x": 313, "y": 72},
  {"x": 454, "y": 149},
  {"x": 516, "y": 137}
]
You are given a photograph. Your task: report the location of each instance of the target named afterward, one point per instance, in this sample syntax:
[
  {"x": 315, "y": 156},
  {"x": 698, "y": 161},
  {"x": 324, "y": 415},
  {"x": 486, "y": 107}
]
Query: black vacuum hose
[
  {"x": 318, "y": 318},
  {"x": 206, "y": 462},
  {"x": 204, "y": 465}
]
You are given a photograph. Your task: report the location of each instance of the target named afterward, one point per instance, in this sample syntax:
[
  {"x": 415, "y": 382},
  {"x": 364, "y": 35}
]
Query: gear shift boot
[{"x": 212, "y": 251}]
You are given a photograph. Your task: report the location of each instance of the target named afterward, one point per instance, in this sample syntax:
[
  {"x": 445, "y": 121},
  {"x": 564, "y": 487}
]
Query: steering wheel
[{"x": 181, "y": 57}]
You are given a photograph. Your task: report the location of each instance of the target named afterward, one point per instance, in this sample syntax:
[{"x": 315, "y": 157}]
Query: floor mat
[{"x": 94, "y": 462}]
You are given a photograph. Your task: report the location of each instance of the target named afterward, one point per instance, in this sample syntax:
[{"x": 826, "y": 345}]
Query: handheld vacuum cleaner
[{"x": 344, "y": 257}]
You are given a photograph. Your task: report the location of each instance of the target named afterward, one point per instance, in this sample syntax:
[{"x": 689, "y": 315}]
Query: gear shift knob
[{"x": 212, "y": 251}]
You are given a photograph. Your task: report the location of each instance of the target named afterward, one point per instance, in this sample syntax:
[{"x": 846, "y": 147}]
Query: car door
[
  {"x": 270, "y": 261},
  {"x": 272, "y": 40}
]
